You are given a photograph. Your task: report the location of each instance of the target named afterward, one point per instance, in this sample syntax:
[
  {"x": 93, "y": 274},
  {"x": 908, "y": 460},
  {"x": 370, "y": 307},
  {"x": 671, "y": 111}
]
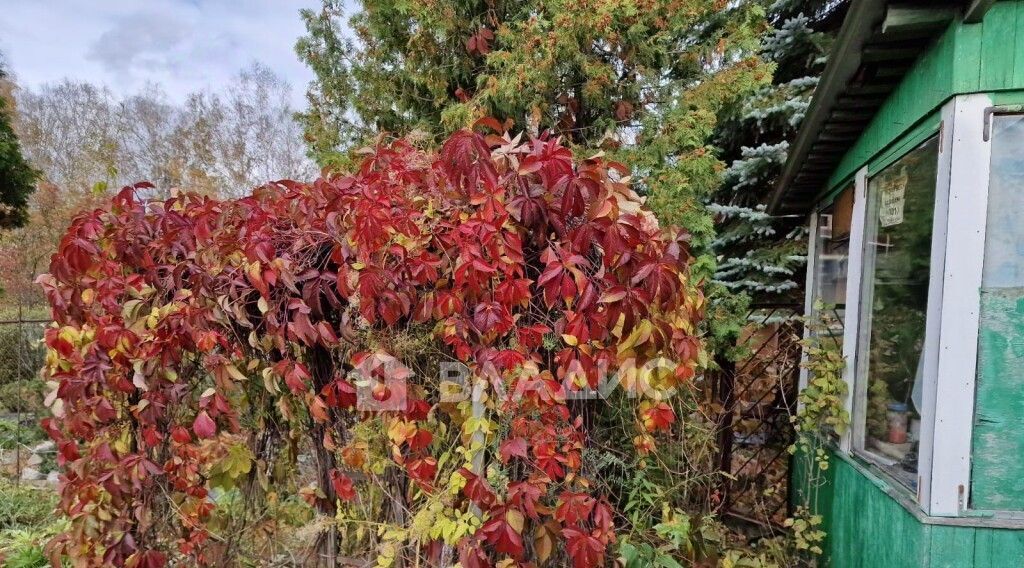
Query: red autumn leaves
[
  {"x": 203, "y": 425},
  {"x": 343, "y": 486},
  {"x": 531, "y": 268}
]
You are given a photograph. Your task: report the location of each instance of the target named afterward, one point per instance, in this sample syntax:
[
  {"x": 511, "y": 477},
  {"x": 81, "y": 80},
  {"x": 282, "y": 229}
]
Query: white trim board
[
  {"x": 970, "y": 159},
  {"x": 853, "y": 287},
  {"x": 940, "y": 218},
  {"x": 809, "y": 280}
]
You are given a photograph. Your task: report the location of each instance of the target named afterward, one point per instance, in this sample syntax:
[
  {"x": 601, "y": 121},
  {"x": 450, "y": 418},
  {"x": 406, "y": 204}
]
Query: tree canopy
[
  {"x": 642, "y": 80},
  {"x": 87, "y": 141},
  {"x": 17, "y": 176}
]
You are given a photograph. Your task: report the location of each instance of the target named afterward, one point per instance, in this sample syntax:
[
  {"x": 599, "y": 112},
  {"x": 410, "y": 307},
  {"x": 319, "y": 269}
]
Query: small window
[
  {"x": 831, "y": 266},
  {"x": 832, "y": 253},
  {"x": 1004, "y": 240},
  {"x": 894, "y": 302}
]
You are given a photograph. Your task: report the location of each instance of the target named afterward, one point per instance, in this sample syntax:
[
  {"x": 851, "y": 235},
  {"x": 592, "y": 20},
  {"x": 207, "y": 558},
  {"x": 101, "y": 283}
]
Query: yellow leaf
[
  {"x": 515, "y": 520},
  {"x": 570, "y": 339},
  {"x": 641, "y": 333},
  {"x": 270, "y": 381},
  {"x": 234, "y": 372},
  {"x": 401, "y": 431},
  {"x": 123, "y": 443},
  {"x": 543, "y": 543}
]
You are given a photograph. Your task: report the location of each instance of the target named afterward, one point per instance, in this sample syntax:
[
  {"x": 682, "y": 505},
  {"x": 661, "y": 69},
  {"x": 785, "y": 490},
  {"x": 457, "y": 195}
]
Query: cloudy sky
[{"x": 184, "y": 45}]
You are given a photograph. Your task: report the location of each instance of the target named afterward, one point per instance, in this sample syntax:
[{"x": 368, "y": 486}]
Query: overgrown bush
[
  {"x": 13, "y": 435},
  {"x": 201, "y": 344},
  {"x": 25, "y": 397}
]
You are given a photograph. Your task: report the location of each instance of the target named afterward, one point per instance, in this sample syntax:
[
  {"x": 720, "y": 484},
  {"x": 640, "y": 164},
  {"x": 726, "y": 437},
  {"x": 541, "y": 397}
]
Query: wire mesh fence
[
  {"x": 757, "y": 396},
  {"x": 25, "y": 453}
]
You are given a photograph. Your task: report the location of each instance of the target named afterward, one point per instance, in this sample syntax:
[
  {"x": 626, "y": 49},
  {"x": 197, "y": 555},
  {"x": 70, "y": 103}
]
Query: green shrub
[
  {"x": 22, "y": 549},
  {"x": 21, "y": 352},
  {"x": 24, "y": 397},
  {"x": 27, "y": 521},
  {"x": 11, "y": 436}
]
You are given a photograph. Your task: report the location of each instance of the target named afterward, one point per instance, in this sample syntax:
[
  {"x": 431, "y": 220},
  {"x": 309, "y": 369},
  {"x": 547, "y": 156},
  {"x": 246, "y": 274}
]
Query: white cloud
[{"x": 184, "y": 45}]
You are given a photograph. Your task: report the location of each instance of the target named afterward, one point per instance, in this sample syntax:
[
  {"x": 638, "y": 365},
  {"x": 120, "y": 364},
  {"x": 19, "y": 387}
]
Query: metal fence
[
  {"x": 24, "y": 453},
  {"x": 757, "y": 396}
]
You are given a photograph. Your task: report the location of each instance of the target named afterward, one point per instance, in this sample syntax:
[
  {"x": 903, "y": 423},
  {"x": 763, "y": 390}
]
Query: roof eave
[{"x": 817, "y": 149}]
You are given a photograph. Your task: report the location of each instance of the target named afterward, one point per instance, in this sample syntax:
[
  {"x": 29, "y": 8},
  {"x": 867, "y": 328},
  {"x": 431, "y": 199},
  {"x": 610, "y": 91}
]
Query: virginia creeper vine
[{"x": 193, "y": 333}]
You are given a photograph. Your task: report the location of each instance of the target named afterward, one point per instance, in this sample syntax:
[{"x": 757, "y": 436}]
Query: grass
[{"x": 27, "y": 522}]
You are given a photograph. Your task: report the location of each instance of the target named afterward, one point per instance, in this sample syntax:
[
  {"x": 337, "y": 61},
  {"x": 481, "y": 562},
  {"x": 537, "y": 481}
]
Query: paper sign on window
[{"x": 894, "y": 193}]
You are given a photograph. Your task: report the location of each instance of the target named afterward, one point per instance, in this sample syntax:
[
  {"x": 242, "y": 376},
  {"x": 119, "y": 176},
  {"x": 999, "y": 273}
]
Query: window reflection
[
  {"x": 1004, "y": 238},
  {"x": 897, "y": 257},
  {"x": 832, "y": 253}
]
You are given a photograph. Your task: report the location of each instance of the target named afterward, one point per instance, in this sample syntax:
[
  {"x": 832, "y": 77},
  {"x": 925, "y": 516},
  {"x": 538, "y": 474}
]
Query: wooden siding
[
  {"x": 997, "y": 474},
  {"x": 967, "y": 58},
  {"x": 922, "y": 92},
  {"x": 867, "y": 527},
  {"x": 868, "y": 521}
]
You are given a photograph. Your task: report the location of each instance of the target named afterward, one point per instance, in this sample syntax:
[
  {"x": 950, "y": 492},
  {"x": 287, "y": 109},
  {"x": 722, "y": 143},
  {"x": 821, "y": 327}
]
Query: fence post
[
  {"x": 21, "y": 396},
  {"x": 726, "y": 437}
]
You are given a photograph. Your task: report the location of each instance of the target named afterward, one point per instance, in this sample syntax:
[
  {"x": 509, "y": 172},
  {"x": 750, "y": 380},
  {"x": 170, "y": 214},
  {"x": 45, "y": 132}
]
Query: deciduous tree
[
  {"x": 79, "y": 135},
  {"x": 85, "y": 141}
]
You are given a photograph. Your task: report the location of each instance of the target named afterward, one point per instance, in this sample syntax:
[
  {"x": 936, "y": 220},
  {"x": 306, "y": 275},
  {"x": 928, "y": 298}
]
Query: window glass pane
[
  {"x": 831, "y": 263},
  {"x": 832, "y": 251},
  {"x": 1004, "y": 235},
  {"x": 897, "y": 258}
]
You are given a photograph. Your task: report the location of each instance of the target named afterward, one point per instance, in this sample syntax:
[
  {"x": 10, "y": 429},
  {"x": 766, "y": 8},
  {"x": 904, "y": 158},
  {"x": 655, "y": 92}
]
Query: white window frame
[
  {"x": 810, "y": 284},
  {"x": 952, "y": 321},
  {"x": 811, "y": 269},
  {"x": 969, "y": 160},
  {"x": 854, "y": 279}
]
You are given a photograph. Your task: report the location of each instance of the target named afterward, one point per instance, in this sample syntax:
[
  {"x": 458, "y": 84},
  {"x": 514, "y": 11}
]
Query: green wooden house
[{"x": 910, "y": 169}]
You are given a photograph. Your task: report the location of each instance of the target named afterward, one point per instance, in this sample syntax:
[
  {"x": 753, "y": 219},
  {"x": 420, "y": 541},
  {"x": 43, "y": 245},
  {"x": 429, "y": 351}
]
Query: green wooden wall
[
  {"x": 967, "y": 58},
  {"x": 869, "y": 522},
  {"x": 997, "y": 465},
  {"x": 867, "y": 527}
]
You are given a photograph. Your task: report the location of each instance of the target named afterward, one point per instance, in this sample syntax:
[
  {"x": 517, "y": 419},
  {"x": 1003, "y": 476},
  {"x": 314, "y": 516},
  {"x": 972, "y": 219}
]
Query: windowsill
[
  {"x": 902, "y": 480},
  {"x": 901, "y": 494}
]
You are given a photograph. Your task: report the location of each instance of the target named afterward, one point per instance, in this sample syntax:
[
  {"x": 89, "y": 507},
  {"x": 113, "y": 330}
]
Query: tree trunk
[{"x": 326, "y": 549}]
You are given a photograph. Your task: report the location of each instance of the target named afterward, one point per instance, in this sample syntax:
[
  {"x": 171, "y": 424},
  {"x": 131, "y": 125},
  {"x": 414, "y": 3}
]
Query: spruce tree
[
  {"x": 17, "y": 177},
  {"x": 762, "y": 257}
]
